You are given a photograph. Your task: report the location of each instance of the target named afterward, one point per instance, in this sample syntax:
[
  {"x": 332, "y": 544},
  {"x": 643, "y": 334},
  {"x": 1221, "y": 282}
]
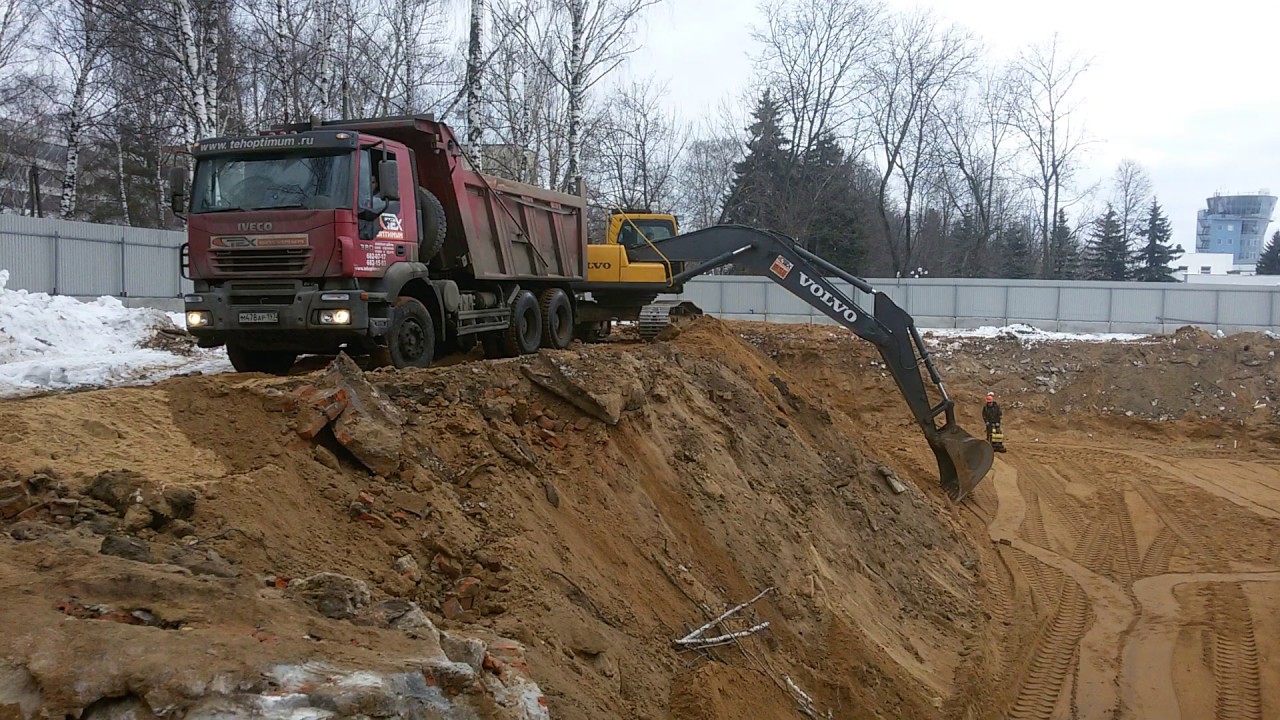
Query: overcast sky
[{"x": 1183, "y": 89}]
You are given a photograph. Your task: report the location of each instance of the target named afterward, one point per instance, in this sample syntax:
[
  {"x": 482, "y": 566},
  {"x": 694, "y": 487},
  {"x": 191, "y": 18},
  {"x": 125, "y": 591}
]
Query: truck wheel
[
  {"x": 272, "y": 362},
  {"x": 524, "y": 334},
  {"x": 411, "y": 337},
  {"x": 557, "y": 319},
  {"x": 431, "y": 225}
]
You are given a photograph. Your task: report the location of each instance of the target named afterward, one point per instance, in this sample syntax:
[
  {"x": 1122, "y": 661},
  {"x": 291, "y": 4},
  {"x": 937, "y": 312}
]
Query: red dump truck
[{"x": 372, "y": 237}]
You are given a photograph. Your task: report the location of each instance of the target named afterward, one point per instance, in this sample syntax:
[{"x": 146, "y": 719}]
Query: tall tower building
[{"x": 1235, "y": 224}]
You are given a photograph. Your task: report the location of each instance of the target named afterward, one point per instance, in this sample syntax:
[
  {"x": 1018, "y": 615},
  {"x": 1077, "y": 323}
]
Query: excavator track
[{"x": 658, "y": 316}]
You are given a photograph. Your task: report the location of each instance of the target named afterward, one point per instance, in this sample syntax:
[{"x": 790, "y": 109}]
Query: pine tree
[
  {"x": 1154, "y": 257},
  {"x": 1269, "y": 261},
  {"x": 1107, "y": 256},
  {"x": 824, "y": 193},
  {"x": 1016, "y": 257},
  {"x": 1064, "y": 262},
  {"x": 759, "y": 179}
]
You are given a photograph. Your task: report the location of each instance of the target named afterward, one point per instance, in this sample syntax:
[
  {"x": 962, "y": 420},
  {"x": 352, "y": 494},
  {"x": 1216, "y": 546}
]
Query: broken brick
[
  {"x": 13, "y": 499},
  {"x": 365, "y": 498},
  {"x": 546, "y": 423},
  {"x": 468, "y": 587},
  {"x": 400, "y": 516},
  {"x": 373, "y": 520},
  {"x": 310, "y": 422},
  {"x": 452, "y": 609},
  {"x": 445, "y": 565}
]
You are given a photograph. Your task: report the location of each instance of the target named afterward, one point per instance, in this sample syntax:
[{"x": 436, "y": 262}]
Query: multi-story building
[{"x": 1235, "y": 224}]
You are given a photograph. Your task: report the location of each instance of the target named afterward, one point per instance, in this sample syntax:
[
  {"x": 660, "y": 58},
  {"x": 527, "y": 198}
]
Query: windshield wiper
[{"x": 222, "y": 210}]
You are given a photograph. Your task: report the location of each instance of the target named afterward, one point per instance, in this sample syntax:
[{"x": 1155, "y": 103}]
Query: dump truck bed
[{"x": 498, "y": 229}]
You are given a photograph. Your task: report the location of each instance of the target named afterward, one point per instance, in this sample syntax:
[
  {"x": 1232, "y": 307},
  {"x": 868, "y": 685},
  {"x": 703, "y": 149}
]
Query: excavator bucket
[{"x": 963, "y": 460}]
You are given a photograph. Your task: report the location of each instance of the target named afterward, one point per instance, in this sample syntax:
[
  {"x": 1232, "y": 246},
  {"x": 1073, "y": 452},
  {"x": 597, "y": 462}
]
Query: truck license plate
[{"x": 259, "y": 317}]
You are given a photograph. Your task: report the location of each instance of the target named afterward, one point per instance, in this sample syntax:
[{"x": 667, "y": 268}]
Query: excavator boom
[{"x": 963, "y": 460}]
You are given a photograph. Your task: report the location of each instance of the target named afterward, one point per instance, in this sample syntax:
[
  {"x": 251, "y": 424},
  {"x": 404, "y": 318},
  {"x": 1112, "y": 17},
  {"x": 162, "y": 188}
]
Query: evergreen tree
[
  {"x": 1154, "y": 257},
  {"x": 1064, "y": 260},
  {"x": 1269, "y": 261},
  {"x": 757, "y": 194},
  {"x": 1107, "y": 256},
  {"x": 1016, "y": 260},
  {"x": 824, "y": 195}
]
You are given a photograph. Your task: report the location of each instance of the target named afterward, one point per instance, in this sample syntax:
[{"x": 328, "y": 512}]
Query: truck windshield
[{"x": 260, "y": 182}]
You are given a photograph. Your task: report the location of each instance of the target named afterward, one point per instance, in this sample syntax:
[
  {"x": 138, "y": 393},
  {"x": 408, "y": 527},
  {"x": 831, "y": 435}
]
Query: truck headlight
[
  {"x": 197, "y": 318},
  {"x": 340, "y": 316},
  {"x": 192, "y": 298},
  {"x": 334, "y": 297}
]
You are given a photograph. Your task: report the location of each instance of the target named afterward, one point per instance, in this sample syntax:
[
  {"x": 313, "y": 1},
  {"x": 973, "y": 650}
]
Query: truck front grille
[
  {"x": 263, "y": 293},
  {"x": 272, "y": 261}
]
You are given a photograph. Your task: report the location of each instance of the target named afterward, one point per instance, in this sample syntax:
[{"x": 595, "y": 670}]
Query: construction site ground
[{"x": 563, "y": 519}]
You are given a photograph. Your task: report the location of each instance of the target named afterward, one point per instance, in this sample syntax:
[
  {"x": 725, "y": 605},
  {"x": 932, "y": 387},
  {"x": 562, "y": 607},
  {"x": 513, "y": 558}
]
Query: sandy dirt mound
[{"x": 586, "y": 508}]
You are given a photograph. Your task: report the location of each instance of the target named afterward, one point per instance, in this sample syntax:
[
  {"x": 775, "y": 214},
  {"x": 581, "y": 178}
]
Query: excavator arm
[{"x": 963, "y": 460}]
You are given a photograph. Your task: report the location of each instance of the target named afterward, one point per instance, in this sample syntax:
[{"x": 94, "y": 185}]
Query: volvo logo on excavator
[{"x": 811, "y": 284}]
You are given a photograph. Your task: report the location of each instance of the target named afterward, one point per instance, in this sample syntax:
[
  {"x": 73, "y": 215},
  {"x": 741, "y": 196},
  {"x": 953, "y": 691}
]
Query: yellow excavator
[{"x": 644, "y": 255}]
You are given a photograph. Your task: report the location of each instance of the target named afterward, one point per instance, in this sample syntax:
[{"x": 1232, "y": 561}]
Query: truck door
[{"x": 383, "y": 218}]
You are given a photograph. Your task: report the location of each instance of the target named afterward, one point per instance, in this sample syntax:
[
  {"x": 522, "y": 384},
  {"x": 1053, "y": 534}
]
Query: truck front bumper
[{"x": 301, "y": 319}]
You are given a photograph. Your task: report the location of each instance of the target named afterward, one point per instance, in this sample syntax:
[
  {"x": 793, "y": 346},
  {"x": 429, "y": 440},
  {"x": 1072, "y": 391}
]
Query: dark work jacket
[{"x": 991, "y": 413}]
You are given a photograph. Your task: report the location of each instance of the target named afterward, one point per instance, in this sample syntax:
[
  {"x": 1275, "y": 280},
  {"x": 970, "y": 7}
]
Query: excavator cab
[{"x": 607, "y": 262}]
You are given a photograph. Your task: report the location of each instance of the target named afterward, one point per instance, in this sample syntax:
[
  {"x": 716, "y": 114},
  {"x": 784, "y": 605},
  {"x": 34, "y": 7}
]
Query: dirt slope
[
  {"x": 563, "y": 518},
  {"x": 508, "y": 512}
]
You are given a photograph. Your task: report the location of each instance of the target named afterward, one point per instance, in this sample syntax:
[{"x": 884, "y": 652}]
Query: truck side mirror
[
  {"x": 389, "y": 180},
  {"x": 177, "y": 190}
]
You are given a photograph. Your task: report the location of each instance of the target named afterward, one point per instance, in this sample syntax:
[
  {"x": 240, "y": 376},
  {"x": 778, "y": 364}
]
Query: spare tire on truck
[{"x": 431, "y": 225}]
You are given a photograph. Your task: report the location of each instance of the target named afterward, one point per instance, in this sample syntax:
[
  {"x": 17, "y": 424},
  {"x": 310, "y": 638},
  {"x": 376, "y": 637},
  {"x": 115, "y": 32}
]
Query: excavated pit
[{"x": 529, "y": 538}]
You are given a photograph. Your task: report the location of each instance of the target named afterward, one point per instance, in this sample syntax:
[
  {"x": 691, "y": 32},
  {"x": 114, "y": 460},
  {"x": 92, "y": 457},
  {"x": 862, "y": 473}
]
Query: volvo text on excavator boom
[{"x": 963, "y": 460}]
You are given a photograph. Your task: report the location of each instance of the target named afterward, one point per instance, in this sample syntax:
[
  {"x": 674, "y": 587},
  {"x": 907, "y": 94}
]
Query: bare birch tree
[
  {"x": 1131, "y": 193},
  {"x": 76, "y": 32},
  {"x": 918, "y": 60},
  {"x": 17, "y": 17},
  {"x": 593, "y": 37},
  {"x": 1044, "y": 116},
  {"x": 977, "y": 156},
  {"x": 635, "y": 161},
  {"x": 814, "y": 56}
]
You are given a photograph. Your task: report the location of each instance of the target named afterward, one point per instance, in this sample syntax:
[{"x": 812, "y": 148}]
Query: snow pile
[
  {"x": 1027, "y": 335},
  {"x": 55, "y": 342}
]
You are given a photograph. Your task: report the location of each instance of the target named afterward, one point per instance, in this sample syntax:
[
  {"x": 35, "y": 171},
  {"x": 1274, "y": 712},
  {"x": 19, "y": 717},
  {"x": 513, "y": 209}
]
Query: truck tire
[
  {"x": 411, "y": 336},
  {"x": 271, "y": 362},
  {"x": 431, "y": 225},
  {"x": 524, "y": 334},
  {"x": 557, "y": 319}
]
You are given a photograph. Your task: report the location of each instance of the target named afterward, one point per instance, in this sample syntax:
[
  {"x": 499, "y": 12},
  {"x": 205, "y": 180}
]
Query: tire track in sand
[
  {"x": 1235, "y": 655},
  {"x": 1149, "y": 653},
  {"x": 1095, "y": 652},
  {"x": 1053, "y": 661}
]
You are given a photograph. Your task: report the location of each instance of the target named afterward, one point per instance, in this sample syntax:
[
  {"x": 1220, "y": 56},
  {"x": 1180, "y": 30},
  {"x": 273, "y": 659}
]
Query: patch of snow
[
  {"x": 1026, "y": 334},
  {"x": 55, "y": 342}
]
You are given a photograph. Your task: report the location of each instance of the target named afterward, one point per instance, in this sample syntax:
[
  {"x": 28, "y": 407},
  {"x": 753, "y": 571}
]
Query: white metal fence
[
  {"x": 90, "y": 260},
  {"x": 1066, "y": 306},
  {"x": 141, "y": 267}
]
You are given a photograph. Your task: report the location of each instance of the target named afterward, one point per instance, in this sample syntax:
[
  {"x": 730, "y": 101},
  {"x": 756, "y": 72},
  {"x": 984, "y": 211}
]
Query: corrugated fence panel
[
  {"x": 88, "y": 259},
  {"x": 1050, "y": 305},
  {"x": 1033, "y": 303}
]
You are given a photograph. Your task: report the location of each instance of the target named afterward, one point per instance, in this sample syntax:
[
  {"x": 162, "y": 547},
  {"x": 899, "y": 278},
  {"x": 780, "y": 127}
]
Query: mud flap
[{"x": 963, "y": 460}]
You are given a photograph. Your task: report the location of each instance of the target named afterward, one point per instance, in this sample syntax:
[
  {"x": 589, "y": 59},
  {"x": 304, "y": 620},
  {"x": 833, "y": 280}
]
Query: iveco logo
[{"x": 254, "y": 227}]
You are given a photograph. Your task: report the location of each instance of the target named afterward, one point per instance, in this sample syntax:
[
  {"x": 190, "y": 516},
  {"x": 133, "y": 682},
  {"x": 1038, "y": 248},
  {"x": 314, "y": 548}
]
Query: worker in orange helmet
[{"x": 991, "y": 414}]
